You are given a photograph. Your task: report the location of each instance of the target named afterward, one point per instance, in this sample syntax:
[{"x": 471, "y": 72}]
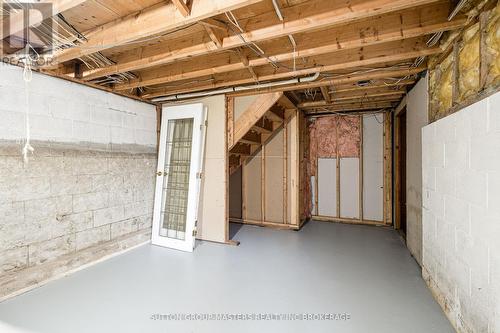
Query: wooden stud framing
[
  {"x": 214, "y": 35},
  {"x": 361, "y": 185},
  {"x": 159, "y": 110},
  {"x": 301, "y": 24},
  {"x": 326, "y": 95},
  {"x": 344, "y": 79},
  {"x": 368, "y": 61},
  {"x": 16, "y": 22},
  {"x": 456, "y": 75},
  {"x": 295, "y": 172},
  {"x": 230, "y": 121},
  {"x": 346, "y": 220},
  {"x": 483, "y": 33},
  {"x": 152, "y": 21},
  {"x": 316, "y": 189},
  {"x": 337, "y": 170},
  {"x": 229, "y": 104},
  {"x": 182, "y": 7},
  {"x": 244, "y": 214},
  {"x": 285, "y": 173},
  {"x": 256, "y": 110},
  {"x": 388, "y": 168},
  {"x": 263, "y": 183},
  {"x": 274, "y": 225}
]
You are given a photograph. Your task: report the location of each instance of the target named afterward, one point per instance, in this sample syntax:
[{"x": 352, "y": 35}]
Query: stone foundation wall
[
  {"x": 65, "y": 201},
  {"x": 88, "y": 187}
]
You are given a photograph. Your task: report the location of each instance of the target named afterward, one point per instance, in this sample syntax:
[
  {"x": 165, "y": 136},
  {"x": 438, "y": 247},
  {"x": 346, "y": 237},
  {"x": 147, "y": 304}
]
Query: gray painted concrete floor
[{"x": 325, "y": 268}]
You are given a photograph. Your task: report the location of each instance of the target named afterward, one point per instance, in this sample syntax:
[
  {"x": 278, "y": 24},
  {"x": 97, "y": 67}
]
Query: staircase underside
[{"x": 257, "y": 125}]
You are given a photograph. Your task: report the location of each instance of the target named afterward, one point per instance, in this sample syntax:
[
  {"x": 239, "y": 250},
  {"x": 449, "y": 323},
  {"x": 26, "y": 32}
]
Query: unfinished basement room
[{"x": 250, "y": 166}]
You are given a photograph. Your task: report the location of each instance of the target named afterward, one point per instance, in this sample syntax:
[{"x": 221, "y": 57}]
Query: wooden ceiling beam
[
  {"x": 182, "y": 7},
  {"x": 153, "y": 21},
  {"x": 214, "y": 24},
  {"x": 16, "y": 22},
  {"x": 381, "y": 74},
  {"x": 326, "y": 95},
  {"x": 355, "y": 106},
  {"x": 383, "y": 53},
  {"x": 378, "y": 85},
  {"x": 374, "y": 85},
  {"x": 214, "y": 35},
  {"x": 398, "y": 56},
  {"x": 382, "y": 96},
  {"x": 298, "y": 24},
  {"x": 246, "y": 63},
  {"x": 177, "y": 74},
  {"x": 362, "y": 109},
  {"x": 359, "y": 99}
]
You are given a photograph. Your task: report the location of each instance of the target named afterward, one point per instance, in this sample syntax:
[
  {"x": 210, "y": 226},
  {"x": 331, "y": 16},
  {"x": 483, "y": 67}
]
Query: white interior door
[{"x": 177, "y": 181}]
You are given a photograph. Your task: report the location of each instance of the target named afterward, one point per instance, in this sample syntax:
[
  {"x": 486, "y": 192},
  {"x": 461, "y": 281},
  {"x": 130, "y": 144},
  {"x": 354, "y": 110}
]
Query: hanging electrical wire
[{"x": 27, "y": 77}]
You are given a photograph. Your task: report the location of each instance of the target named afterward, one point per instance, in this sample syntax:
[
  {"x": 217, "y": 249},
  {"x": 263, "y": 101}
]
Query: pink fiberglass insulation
[
  {"x": 323, "y": 140},
  {"x": 327, "y": 134},
  {"x": 329, "y": 137},
  {"x": 348, "y": 136}
]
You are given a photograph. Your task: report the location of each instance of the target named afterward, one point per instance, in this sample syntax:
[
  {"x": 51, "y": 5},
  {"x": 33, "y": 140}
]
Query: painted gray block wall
[
  {"x": 461, "y": 215},
  {"x": 416, "y": 119},
  {"x": 88, "y": 188}
]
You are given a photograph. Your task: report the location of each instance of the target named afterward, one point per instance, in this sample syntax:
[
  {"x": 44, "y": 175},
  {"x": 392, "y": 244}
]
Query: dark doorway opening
[{"x": 401, "y": 172}]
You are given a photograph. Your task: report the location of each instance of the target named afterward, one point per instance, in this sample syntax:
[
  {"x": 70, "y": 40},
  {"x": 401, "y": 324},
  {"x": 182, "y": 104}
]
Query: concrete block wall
[
  {"x": 461, "y": 215},
  {"x": 87, "y": 190}
]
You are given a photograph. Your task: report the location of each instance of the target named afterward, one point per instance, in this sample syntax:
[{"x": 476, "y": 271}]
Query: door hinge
[
  {"x": 195, "y": 232},
  {"x": 199, "y": 175},
  {"x": 204, "y": 124}
]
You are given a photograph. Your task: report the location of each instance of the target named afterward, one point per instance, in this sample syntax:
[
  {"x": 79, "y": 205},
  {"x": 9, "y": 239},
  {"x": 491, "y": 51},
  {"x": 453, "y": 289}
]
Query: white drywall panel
[
  {"x": 349, "y": 187},
  {"x": 373, "y": 167},
  {"x": 252, "y": 187},
  {"x": 274, "y": 179},
  {"x": 212, "y": 213},
  {"x": 327, "y": 187},
  {"x": 416, "y": 118}
]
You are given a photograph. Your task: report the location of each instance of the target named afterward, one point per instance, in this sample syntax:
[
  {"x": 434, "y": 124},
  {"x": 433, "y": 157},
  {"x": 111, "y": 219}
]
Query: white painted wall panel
[
  {"x": 373, "y": 167},
  {"x": 416, "y": 118},
  {"x": 327, "y": 187},
  {"x": 212, "y": 210},
  {"x": 349, "y": 187}
]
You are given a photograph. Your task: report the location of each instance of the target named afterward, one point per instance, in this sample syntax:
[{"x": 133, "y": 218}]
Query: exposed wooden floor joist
[{"x": 327, "y": 54}]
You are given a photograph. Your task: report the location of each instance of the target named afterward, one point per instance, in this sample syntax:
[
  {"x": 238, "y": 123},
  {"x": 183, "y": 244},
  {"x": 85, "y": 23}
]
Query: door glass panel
[{"x": 176, "y": 179}]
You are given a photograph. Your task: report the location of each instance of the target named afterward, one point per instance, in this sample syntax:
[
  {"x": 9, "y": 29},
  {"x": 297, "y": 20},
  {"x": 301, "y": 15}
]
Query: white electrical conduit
[
  {"x": 290, "y": 37},
  {"x": 234, "y": 89}
]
